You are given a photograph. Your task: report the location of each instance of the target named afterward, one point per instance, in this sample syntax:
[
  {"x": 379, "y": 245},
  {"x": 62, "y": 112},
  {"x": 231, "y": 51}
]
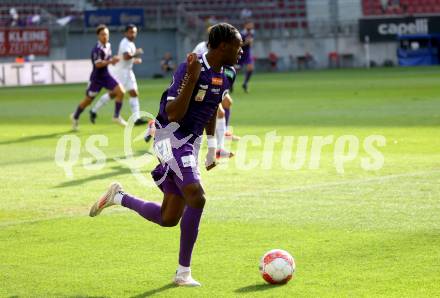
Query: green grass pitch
[{"x": 356, "y": 234}]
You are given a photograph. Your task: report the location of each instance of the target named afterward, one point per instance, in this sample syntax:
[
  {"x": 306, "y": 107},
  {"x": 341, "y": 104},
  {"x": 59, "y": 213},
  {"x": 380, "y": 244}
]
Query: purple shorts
[
  {"x": 96, "y": 84},
  {"x": 245, "y": 59},
  {"x": 174, "y": 175}
]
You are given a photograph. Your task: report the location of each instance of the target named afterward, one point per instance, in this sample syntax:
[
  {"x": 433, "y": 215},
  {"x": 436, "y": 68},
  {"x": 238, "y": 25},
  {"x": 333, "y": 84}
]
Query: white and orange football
[{"x": 277, "y": 266}]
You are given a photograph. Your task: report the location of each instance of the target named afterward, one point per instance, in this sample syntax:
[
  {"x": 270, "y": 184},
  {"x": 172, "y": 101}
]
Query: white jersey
[
  {"x": 201, "y": 48},
  {"x": 126, "y": 46},
  {"x": 123, "y": 70}
]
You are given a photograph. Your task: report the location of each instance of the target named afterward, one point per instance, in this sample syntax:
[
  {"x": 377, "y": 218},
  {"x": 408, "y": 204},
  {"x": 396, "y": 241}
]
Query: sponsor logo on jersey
[
  {"x": 217, "y": 81},
  {"x": 200, "y": 95}
]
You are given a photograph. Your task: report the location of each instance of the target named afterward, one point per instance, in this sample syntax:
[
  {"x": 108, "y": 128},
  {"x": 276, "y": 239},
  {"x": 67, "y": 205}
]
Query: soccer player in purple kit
[
  {"x": 100, "y": 77},
  {"x": 187, "y": 108},
  {"x": 247, "y": 34}
]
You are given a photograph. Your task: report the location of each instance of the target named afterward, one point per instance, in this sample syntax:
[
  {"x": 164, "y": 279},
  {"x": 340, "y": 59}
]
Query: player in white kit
[{"x": 123, "y": 72}]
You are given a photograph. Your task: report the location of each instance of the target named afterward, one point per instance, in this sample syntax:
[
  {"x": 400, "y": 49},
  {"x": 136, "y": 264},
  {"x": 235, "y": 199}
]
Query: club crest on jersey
[
  {"x": 200, "y": 95},
  {"x": 217, "y": 81}
]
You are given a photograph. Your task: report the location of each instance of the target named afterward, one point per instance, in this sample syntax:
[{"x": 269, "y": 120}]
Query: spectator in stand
[
  {"x": 14, "y": 21},
  {"x": 245, "y": 14},
  {"x": 167, "y": 64},
  {"x": 273, "y": 60},
  {"x": 211, "y": 21}
]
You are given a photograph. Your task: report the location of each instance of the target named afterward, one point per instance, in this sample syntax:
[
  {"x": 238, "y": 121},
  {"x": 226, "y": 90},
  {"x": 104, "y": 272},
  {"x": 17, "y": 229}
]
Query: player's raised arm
[
  {"x": 128, "y": 56},
  {"x": 177, "y": 108},
  {"x": 104, "y": 63},
  {"x": 100, "y": 63}
]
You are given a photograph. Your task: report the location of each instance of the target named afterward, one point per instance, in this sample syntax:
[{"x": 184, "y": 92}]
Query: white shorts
[{"x": 126, "y": 78}]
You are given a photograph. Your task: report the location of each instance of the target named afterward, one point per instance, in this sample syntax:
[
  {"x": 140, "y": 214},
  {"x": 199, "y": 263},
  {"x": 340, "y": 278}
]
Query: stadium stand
[
  {"x": 26, "y": 9},
  {"x": 399, "y": 7},
  {"x": 269, "y": 14}
]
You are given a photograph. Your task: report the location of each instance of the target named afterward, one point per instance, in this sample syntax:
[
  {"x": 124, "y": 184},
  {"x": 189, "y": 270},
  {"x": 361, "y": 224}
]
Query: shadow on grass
[
  {"x": 137, "y": 153},
  {"x": 26, "y": 161},
  {"x": 116, "y": 171},
  {"x": 86, "y": 296},
  {"x": 155, "y": 291},
  {"x": 35, "y": 138},
  {"x": 255, "y": 288},
  {"x": 74, "y": 296}
]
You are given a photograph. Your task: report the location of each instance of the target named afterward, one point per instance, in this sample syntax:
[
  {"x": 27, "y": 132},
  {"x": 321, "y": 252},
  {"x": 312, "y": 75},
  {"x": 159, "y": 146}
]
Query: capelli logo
[{"x": 418, "y": 26}]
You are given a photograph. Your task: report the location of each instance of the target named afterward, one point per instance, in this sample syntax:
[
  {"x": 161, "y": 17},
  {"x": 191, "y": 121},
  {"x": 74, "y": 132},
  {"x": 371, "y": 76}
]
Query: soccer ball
[{"x": 277, "y": 266}]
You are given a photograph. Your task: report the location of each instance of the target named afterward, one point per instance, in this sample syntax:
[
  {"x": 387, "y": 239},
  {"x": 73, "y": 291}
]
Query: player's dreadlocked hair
[{"x": 222, "y": 32}]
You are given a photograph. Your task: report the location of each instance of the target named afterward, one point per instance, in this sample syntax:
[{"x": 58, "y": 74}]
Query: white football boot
[
  {"x": 75, "y": 123},
  {"x": 106, "y": 199},
  {"x": 119, "y": 120},
  {"x": 184, "y": 279}
]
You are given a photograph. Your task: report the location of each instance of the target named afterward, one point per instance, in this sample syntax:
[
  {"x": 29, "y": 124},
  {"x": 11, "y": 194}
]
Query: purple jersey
[
  {"x": 245, "y": 34},
  {"x": 246, "y": 57},
  {"x": 100, "y": 53},
  {"x": 100, "y": 77},
  {"x": 208, "y": 93}
]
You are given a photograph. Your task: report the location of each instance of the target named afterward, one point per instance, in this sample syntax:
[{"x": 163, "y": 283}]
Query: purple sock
[
  {"x": 148, "y": 210},
  {"x": 227, "y": 115},
  {"x": 118, "y": 106},
  {"x": 247, "y": 77},
  {"x": 78, "y": 112},
  {"x": 189, "y": 228}
]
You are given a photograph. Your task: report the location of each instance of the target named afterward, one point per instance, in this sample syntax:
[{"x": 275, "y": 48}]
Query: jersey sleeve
[
  {"x": 231, "y": 74},
  {"x": 124, "y": 47},
  {"x": 200, "y": 48},
  {"x": 179, "y": 80},
  {"x": 98, "y": 55}
]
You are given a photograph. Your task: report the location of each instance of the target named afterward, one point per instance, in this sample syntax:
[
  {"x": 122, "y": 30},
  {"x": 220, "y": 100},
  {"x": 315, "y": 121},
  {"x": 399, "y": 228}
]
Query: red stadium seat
[
  {"x": 272, "y": 14},
  {"x": 374, "y": 7}
]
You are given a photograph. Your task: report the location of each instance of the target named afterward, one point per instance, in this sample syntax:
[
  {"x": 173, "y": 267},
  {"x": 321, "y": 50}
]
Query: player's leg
[
  {"x": 134, "y": 103},
  {"x": 119, "y": 96},
  {"x": 150, "y": 131},
  {"x": 227, "y": 104},
  {"x": 91, "y": 91},
  {"x": 166, "y": 214},
  {"x": 220, "y": 131},
  {"x": 194, "y": 196},
  {"x": 135, "y": 107},
  {"x": 131, "y": 85},
  {"x": 82, "y": 106},
  {"x": 79, "y": 109},
  {"x": 247, "y": 76},
  {"x": 102, "y": 101}
]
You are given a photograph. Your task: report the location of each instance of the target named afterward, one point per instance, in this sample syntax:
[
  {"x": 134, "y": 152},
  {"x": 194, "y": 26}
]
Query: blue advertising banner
[{"x": 114, "y": 17}]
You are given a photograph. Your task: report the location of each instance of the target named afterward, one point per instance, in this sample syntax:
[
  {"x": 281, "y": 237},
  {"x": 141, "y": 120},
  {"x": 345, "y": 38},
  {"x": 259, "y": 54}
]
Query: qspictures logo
[{"x": 265, "y": 152}]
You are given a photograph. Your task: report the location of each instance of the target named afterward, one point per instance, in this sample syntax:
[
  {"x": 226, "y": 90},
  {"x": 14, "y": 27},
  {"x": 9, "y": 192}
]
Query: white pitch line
[{"x": 285, "y": 190}]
